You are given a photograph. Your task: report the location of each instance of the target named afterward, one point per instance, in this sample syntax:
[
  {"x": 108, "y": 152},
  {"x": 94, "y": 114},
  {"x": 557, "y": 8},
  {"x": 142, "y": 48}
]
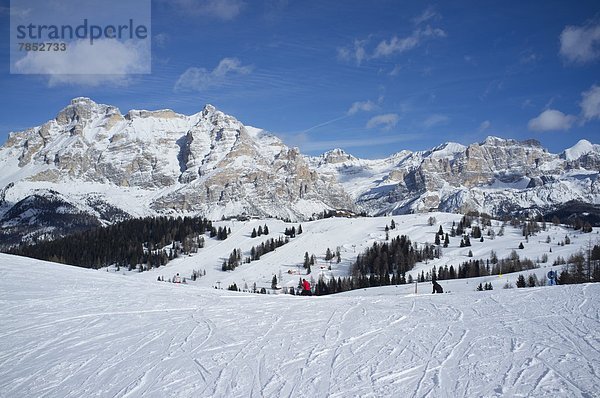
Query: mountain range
[{"x": 91, "y": 165}]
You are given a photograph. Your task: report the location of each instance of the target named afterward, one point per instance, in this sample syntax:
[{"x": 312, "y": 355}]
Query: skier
[
  {"x": 437, "y": 288},
  {"x": 306, "y": 288}
]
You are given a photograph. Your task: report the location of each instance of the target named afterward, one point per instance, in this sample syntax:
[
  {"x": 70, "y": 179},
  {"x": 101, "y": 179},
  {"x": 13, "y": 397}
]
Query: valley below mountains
[{"x": 92, "y": 165}]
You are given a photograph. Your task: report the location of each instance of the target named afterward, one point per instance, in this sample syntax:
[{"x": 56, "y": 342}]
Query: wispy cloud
[
  {"x": 429, "y": 13},
  {"x": 590, "y": 103},
  {"x": 398, "y": 45},
  {"x": 435, "y": 120},
  {"x": 580, "y": 44},
  {"x": 355, "y": 53},
  {"x": 386, "y": 121},
  {"x": 395, "y": 70},
  {"x": 551, "y": 120},
  {"x": 485, "y": 125},
  {"x": 528, "y": 57},
  {"x": 362, "y": 106},
  {"x": 199, "y": 79},
  {"x": 221, "y": 9}
]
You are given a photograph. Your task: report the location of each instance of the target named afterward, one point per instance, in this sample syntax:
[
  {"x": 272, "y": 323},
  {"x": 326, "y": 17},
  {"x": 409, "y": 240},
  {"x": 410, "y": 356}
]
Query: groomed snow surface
[{"x": 71, "y": 332}]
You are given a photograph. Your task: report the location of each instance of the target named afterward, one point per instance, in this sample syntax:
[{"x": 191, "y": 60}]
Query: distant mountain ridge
[{"x": 99, "y": 166}]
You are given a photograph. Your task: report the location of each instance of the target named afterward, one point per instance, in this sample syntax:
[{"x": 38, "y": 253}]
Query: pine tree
[
  {"x": 328, "y": 255},
  {"x": 393, "y": 224},
  {"x": 266, "y": 230},
  {"x": 521, "y": 281},
  {"x": 452, "y": 272},
  {"x": 437, "y": 239},
  {"x": 480, "y": 288},
  {"x": 299, "y": 229},
  {"x": 253, "y": 235},
  {"x": 260, "y": 231},
  {"x": 274, "y": 282},
  {"x": 446, "y": 240},
  {"x": 440, "y": 231},
  {"x": 521, "y": 246}
]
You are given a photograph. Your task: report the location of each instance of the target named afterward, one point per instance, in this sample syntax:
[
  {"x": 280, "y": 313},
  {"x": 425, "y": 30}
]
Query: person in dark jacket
[
  {"x": 437, "y": 288},
  {"x": 306, "y": 288}
]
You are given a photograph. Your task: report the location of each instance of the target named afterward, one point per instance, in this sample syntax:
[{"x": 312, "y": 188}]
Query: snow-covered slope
[
  {"x": 352, "y": 236},
  {"x": 72, "y": 332}
]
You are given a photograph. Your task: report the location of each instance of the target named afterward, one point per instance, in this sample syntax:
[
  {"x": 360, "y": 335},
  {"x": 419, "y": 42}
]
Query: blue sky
[{"x": 370, "y": 77}]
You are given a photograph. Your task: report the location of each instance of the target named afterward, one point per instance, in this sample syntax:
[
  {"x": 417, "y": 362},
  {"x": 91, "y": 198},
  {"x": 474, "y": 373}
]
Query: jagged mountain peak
[
  {"x": 493, "y": 140},
  {"x": 498, "y": 141},
  {"x": 337, "y": 155},
  {"x": 83, "y": 109}
]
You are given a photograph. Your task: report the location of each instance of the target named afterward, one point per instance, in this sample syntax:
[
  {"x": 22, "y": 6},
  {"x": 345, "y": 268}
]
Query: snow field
[
  {"x": 74, "y": 332},
  {"x": 353, "y": 236}
]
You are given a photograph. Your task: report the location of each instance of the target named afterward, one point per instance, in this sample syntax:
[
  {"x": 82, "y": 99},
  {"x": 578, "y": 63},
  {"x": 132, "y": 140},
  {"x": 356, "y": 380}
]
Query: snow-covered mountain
[
  {"x": 98, "y": 165},
  {"x": 497, "y": 176},
  {"x": 92, "y": 165}
]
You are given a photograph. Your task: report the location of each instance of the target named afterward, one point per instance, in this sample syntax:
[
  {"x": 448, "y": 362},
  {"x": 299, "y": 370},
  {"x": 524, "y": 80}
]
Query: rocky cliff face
[{"x": 97, "y": 166}]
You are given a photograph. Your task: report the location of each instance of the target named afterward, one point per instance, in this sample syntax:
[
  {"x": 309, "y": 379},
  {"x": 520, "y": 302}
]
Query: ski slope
[
  {"x": 353, "y": 236},
  {"x": 71, "y": 332}
]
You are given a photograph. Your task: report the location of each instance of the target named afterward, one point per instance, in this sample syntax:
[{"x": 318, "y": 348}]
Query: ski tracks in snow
[{"x": 161, "y": 340}]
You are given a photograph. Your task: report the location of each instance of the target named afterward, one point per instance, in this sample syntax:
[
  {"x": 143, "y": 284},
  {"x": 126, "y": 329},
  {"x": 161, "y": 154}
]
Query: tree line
[{"x": 144, "y": 242}]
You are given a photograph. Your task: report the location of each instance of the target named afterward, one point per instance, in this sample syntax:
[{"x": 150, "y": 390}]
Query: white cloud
[
  {"x": 356, "y": 53},
  {"x": 362, "y": 106},
  {"x": 398, "y": 45},
  {"x": 486, "y": 124},
  {"x": 221, "y": 9},
  {"x": 199, "y": 79},
  {"x": 435, "y": 120},
  {"x": 551, "y": 120},
  {"x": 385, "y": 121},
  {"x": 590, "y": 103},
  {"x": 580, "y": 44},
  {"x": 106, "y": 61}
]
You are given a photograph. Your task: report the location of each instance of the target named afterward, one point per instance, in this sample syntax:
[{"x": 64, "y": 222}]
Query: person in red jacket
[{"x": 306, "y": 288}]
